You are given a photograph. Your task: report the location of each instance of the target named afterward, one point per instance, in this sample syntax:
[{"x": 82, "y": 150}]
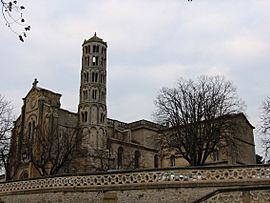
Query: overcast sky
[{"x": 151, "y": 43}]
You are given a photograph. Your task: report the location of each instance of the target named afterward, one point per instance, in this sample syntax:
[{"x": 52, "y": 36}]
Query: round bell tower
[{"x": 92, "y": 104}]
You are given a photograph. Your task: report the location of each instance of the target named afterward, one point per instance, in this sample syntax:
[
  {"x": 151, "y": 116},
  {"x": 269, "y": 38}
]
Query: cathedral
[{"x": 47, "y": 139}]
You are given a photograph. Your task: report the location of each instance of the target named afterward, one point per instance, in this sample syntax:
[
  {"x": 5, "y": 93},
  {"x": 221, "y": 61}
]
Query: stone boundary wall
[
  {"x": 188, "y": 184},
  {"x": 250, "y": 194}
]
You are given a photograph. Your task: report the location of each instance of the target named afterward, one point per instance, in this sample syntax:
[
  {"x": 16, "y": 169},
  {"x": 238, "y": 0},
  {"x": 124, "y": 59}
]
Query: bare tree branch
[
  {"x": 265, "y": 127},
  {"x": 6, "y": 124},
  {"x": 14, "y": 20},
  {"x": 52, "y": 147},
  {"x": 198, "y": 114}
]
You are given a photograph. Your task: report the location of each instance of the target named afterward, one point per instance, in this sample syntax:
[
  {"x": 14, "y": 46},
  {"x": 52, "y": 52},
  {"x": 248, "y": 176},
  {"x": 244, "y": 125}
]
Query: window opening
[
  {"x": 96, "y": 77},
  {"x": 120, "y": 157},
  {"x": 156, "y": 161},
  {"x": 94, "y": 94},
  {"x": 85, "y": 116},
  {"x": 137, "y": 159},
  {"x": 93, "y": 77},
  {"x": 95, "y": 60}
]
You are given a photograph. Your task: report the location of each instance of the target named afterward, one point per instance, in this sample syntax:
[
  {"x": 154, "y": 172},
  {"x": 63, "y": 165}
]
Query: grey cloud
[{"x": 151, "y": 44}]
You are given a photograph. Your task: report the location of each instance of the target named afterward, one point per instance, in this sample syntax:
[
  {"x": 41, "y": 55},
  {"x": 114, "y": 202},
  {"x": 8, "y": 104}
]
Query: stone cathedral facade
[{"x": 104, "y": 144}]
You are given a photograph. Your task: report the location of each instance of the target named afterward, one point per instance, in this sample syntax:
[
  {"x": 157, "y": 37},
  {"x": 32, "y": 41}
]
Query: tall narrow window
[
  {"x": 102, "y": 117},
  {"x": 88, "y": 61},
  {"x": 96, "y": 77},
  {"x": 156, "y": 161},
  {"x": 93, "y": 77},
  {"x": 95, "y": 60},
  {"x": 120, "y": 157},
  {"x": 101, "y": 78},
  {"x": 85, "y": 116},
  {"x": 137, "y": 159},
  {"x": 82, "y": 116},
  {"x": 33, "y": 130},
  {"x": 84, "y": 77},
  {"x": 94, "y": 94},
  {"x": 172, "y": 160},
  {"x": 85, "y": 61}
]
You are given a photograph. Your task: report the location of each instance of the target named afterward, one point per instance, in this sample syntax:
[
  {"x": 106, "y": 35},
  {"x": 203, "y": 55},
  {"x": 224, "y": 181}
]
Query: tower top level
[{"x": 95, "y": 38}]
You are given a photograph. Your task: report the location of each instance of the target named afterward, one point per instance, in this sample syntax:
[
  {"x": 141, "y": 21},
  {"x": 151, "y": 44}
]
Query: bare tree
[
  {"x": 102, "y": 159},
  {"x": 14, "y": 20},
  {"x": 265, "y": 127},
  {"x": 198, "y": 113},
  {"x": 52, "y": 147},
  {"x": 6, "y": 125}
]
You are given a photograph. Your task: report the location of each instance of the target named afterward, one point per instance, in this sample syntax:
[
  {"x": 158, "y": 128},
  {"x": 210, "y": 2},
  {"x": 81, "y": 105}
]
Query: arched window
[
  {"x": 30, "y": 132},
  {"x": 172, "y": 160},
  {"x": 137, "y": 159},
  {"x": 102, "y": 117},
  {"x": 84, "y": 116},
  {"x": 96, "y": 77},
  {"x": 84, "y": 77},
  {"x": 33, "y": 130},
  {"x": 120, "y": 157},
  {"x": 94, "y": 94},
  {"x": 95, "y": 60},
  {"x": 156, "y": 161}
]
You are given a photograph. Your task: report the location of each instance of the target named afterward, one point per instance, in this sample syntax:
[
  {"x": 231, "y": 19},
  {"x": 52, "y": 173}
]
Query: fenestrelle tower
[{"x": 92, "y": 105}]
